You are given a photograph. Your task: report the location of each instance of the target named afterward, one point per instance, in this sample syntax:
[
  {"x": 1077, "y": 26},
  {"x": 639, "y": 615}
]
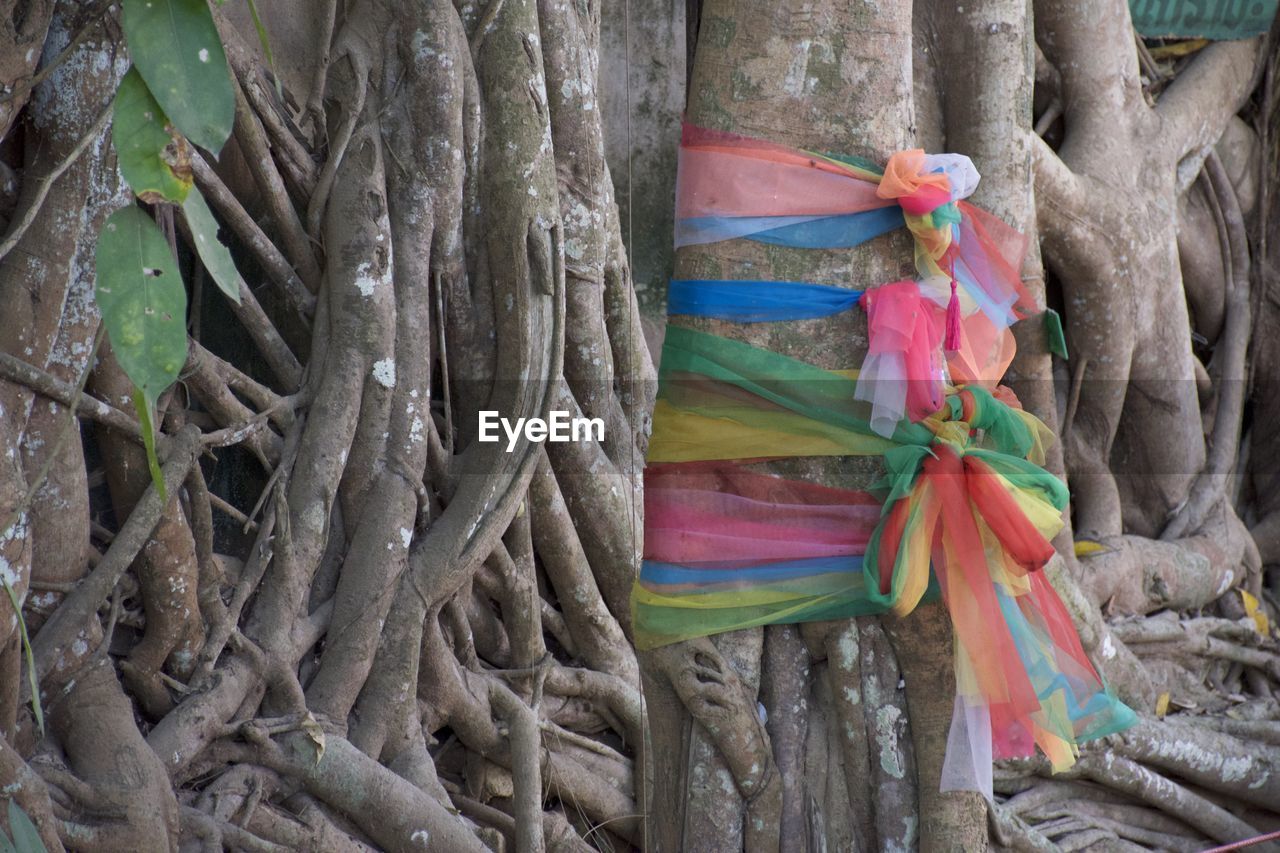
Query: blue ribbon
[
  {"x": 667, "y": 574},
  {"x": 839, "y": 231},
  {"x": 758, "y": 301}
]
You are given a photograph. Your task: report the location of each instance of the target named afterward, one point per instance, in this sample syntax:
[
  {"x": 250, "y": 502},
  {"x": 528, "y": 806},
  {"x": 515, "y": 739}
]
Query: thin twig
[
  {"x": 292, "y": 155},
  {"x": 16, "y": 370},
  {"x": 254, "y": 239},
  {"x": 52, "y": 456},
  {"x": 296, "y": 245},
  {"x": 46, "y": 183},
  {"x": 280, "y": 359},
  {"x": 444, "y": 363},
  {"x": 24, "y": 87},
  {"x": 247, "y": 523},
  {"x": 1048, "y": 117},
  {"x": 1211, "y": 484},
  {"x": 324, "y": 184},
  {"x": 246, "y": 386},
  {"x": 78, "y": 607},
  {"x": 251, "y": 575},
  {"x": 315, "y": 98},
  {"x": 1073, "y": 401},
  {"x": 237, "y": 433},
  {"x": 109, "y": 632}
]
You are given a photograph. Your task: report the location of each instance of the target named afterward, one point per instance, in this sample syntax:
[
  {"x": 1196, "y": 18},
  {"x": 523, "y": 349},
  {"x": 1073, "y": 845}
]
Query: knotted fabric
[
  {"x": 903, "y": 369},
  {"x": 902, "y": 319},
  {"x": 967, "y": 514},
  {"x": 732, "y": 186}
]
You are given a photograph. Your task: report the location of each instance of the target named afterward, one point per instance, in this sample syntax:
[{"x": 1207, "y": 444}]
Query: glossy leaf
[
  {"x": 143, "y": 301},
  {"x": 144, "y": 145},
  {"x": 26, "y": 838},
  {"x": 175, "y": 45},
  {"x": 217, "y": 260}
]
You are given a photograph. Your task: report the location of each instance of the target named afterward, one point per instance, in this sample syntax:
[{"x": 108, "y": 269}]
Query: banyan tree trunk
[
  {"x": 354, "y": 627},
  {"x": 857, "y": 711}
]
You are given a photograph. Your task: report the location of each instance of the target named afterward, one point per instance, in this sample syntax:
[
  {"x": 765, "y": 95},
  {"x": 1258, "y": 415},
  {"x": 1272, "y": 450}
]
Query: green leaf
[
  {"x": 37, "y": 708},
  {"x": 6, "y": 846},
  {"x": 175, "y": 45},
  {"x": 143, "y": 301},
  {"x": 146, "y": 424},
  {"x": 26, "y": 838},
  {"x": 217, "y": 260},
  {"x": 138, "y": 129},
  {"x": 1053, "y": 329}
]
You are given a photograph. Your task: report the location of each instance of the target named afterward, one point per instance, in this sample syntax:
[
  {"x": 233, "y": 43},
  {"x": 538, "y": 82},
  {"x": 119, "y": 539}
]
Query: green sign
[{"x": 1219, "y": 20}]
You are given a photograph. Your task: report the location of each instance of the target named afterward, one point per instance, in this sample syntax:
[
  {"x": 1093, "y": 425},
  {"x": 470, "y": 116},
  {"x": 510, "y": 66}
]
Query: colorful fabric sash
[
  {"x": 965, "y": 512},
  {"x": 731, "y": 186},
  {"x": 725, "y": 513},
  {"x": 900, "y": 326},
  {"x": 729, "y": 548},
  {"x": 904, "y": 328},
  {"x": 723, "y": 399},
  {"x": 968, "y": 512},
  {"x": 758, "y": 301},
  {"x": 983, "y": 516}
]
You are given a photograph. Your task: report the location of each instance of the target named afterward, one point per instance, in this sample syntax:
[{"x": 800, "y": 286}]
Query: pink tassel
[{"x": 952, "y": 341}]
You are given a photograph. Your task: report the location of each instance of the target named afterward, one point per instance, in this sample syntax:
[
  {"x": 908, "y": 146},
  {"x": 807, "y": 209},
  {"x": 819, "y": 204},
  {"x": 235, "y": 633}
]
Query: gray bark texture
[{"x": 352, "y": 626}]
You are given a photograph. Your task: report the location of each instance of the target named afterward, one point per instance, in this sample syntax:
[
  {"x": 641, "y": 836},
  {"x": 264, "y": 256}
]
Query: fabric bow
[
  {"x": 976, "y": 507},
  {"x": 965, "y": 494}
]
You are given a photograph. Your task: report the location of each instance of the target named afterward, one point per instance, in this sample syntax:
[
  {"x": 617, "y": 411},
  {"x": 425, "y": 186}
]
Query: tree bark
[{"x": 826, "y": 78}]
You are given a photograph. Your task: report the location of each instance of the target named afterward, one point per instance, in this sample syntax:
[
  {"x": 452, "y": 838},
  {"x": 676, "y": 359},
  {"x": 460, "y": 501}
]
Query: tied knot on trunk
[
  {"x": 974, "y": 500},
  {"x": 928, "y": 187}
]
